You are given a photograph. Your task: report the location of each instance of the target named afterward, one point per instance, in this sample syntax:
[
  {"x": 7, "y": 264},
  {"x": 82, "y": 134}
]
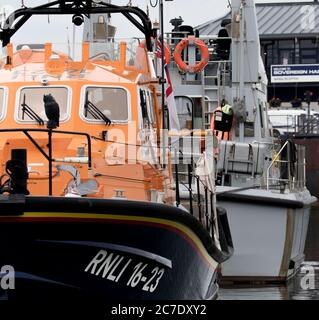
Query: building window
[
  {"x": 309, "y": 52},
  {"x": 286, "y": 52},
  {"x": 31, "y": 104},
  {"x": 278, "y": 52},
  {"x": 270, "y": 53},
  {"x": 103, "y": 101}
]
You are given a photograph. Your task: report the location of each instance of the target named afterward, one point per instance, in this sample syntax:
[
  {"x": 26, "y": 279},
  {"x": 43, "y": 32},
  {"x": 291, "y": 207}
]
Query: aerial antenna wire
[
  {"x": 49, "y": 21},
  {"x": 163, "y": 73},
  {"x": 68, "y": 41},
  {"x": 154, "y": 4},
  {"x": 73, "y": 41}
]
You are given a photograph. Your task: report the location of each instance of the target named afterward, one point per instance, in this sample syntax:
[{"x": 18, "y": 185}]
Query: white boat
[
  {"x": 269, "y": 233},
  {"x": 261, "y": 180}
]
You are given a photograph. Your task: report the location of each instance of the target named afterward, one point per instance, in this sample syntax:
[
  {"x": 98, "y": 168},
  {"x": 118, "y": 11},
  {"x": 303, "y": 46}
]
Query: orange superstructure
[{"x": 125, "y": 153}]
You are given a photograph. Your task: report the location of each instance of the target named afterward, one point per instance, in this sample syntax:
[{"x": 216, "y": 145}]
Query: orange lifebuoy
[
  {"x": 167, "y": 50},
  {"x": 203, "y": 50}
]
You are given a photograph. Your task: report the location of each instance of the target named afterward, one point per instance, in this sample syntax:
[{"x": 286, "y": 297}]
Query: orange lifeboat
[{"x": 167, "y": 50}]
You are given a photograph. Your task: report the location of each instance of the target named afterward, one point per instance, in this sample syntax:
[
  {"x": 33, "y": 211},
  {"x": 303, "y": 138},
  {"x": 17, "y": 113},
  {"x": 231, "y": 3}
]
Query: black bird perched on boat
[{"x": 52, "y": 111}]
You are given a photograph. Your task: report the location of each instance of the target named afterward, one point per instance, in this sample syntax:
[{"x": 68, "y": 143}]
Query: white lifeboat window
[
  {"x": 2, "y": 104},
  {"x": 110, "y": 102},
  {"x": 32, "y": 97}
]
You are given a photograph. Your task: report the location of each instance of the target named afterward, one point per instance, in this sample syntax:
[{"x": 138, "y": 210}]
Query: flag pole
[{"x": 162, "y": 80}]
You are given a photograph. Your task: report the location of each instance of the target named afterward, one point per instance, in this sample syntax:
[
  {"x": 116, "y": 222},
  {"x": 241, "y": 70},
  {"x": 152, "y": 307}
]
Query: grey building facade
[{"x": 289, "y": 35}]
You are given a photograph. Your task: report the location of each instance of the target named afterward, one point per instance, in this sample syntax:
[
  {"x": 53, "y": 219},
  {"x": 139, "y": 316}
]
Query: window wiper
[
  {"x": 26, "y": 110},
  {"x": 95, "y": 112}
]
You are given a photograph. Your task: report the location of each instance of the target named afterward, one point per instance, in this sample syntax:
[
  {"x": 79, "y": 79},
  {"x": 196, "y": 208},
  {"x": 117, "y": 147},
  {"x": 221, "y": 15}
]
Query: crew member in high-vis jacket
[{"x": 222, "y": 121}]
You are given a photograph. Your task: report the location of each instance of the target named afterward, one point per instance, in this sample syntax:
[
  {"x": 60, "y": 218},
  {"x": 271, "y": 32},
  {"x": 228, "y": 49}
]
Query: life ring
[
  {"x": 167, "y": 50},
  {"x": 203, "y": 50}
]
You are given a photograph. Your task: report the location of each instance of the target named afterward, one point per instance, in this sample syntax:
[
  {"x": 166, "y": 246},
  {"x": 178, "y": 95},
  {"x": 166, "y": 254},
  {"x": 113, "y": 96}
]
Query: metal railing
[
  {"x": 202, "y": 205},
  {"x": 200, "y": 200},
  {"x": 49, "y": 156},
  {"x": 296, "y": 124},
  {"x": 308, "y": 125},
  {"x": 288, "y": 168}
]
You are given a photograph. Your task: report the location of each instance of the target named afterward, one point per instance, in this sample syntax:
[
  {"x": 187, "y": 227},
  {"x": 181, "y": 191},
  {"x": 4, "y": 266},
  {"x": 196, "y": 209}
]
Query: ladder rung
[{"x": 211, "y": 88}]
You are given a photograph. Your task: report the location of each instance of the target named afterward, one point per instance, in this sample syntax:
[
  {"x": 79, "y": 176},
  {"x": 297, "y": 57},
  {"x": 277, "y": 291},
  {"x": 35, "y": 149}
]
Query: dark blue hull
[{"x": 106, "y": 250}]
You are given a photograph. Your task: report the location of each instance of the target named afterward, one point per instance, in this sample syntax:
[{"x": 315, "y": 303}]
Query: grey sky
[{"x": 194, "y": 12}]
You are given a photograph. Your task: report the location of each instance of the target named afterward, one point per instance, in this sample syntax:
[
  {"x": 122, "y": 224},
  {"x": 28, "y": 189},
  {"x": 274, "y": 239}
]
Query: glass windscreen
[
  {"x": 109, "y": 102},
  {"x": 32, "y": 106}
]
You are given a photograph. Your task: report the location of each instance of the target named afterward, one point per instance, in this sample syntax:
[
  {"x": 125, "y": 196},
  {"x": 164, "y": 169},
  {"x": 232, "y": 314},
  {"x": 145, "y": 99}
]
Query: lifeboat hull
[{"x": 105, "y": 249}]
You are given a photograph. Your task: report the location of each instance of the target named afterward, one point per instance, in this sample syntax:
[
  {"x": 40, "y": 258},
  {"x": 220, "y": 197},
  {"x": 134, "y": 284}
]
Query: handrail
[
  {"x": 275, "y": 160},
  {"x": 202, "y": 200},
  {"x": 49, "y": 158},
  {"x": 293, "y": 172},
  {"x": 296, "y": 124},
  {"x": 19, "y": 17}
]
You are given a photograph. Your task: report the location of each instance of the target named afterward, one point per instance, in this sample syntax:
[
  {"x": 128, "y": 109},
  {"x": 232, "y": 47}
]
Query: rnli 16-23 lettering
[{"x": 116, "y": 268}]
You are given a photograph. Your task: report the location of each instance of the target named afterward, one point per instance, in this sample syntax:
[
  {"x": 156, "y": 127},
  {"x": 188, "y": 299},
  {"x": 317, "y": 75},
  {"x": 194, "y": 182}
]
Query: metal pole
[
  {"x": 242, "y": 66},
  {"x": 162, "y": 80},
  {"x": 206, "y": 202},
  {"x": 190, "y": 180},
  {"x": 50, "y": 163},
  {"x": 199, "y": 200},
  {"x": 289, "y": 166},
  {"x": 178, "y": 198},
  {"x": 308, "y": 122},
  {"x": 212, "y": 216}
]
